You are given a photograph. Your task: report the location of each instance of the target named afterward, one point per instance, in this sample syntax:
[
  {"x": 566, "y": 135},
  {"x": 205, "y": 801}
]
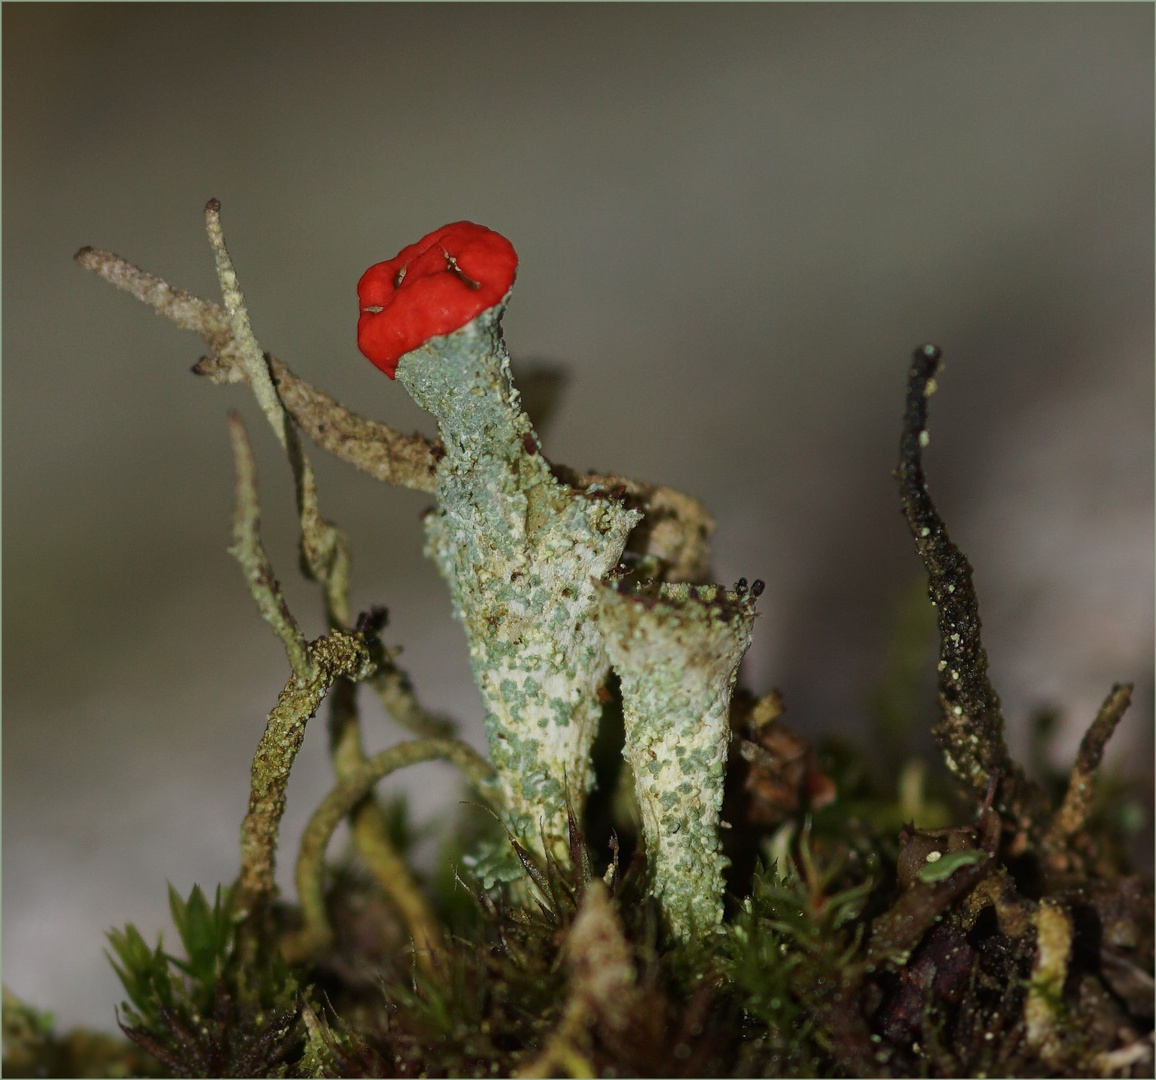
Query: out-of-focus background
[{"x": 734, "y": 223}]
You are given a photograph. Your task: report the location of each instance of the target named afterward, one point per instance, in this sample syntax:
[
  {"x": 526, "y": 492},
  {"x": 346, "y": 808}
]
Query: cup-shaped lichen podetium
[
  {"x": 676, "y": 649},
  {"x": 521, "y": 553}
]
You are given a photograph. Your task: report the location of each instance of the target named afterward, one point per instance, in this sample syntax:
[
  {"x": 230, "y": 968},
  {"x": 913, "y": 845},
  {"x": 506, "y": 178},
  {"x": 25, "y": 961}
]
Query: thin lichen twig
[
  {"x": 970, "y": 731},
  {"x": 336, "y": 806},
  {"x": 181, "y": 307},
  {"x": 248, "y": 550},
  {"x": 325, "y": 550},
  {"x": 396, "y": 693},
  {"x": 334, "y": 656},
  {"x": 1072, "y": 816},
  {"x": 237, "y": 357},
  {"x": 249, "y": 351},
  {"x": 324, "y": 547}
]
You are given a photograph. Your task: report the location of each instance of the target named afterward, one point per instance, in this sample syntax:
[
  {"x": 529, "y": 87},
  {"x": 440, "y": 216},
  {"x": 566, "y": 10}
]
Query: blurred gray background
[{"x": 734, "y": 224}]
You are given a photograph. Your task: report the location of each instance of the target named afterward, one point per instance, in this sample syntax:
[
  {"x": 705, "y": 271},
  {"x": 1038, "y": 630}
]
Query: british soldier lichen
[{"x": 521, "y": 553}]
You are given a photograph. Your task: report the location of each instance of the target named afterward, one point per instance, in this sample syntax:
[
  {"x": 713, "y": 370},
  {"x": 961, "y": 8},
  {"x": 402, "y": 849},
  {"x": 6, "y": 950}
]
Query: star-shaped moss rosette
[
  {"x": 676, "y": 649},
  {"x": 520, "y": 551}
]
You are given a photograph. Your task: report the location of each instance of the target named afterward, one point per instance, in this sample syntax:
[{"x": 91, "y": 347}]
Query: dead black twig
[{"x": 971, "y": 729}]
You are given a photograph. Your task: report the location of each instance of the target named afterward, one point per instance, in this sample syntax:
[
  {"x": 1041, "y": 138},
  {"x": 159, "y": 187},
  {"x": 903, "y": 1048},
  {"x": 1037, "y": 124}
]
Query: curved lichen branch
[
  {"x": 351, "y": 790},
  {"x": 971, "y": 729},
  {"x": 248, "y": 550},
  {"x": 249, "y": 354},
  {"x": 1072, "y": 816},
  {"x": 395, "y": 691},
  {"x": 371, "y": 834},
  {"x": 337, "y": 655},
  {"x": 369, "y": 827}
]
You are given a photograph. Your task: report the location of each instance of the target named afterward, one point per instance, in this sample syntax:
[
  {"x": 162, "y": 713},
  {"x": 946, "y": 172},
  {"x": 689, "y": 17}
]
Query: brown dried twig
[
  {"x": 374, "y": 448},
  {"x": 1072, "y": 816}
]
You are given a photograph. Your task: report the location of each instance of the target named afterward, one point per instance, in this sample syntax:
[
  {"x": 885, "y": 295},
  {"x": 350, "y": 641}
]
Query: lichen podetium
[
  {"x": 521, "y": 553},
  {"x": 677, "y": 649}
]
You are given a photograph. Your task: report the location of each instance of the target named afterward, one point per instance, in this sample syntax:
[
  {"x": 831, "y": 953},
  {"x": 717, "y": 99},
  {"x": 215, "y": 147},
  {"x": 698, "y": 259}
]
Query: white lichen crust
[
  {"x": 676, "y": 649},
  {"x": 521, "y": 553}
]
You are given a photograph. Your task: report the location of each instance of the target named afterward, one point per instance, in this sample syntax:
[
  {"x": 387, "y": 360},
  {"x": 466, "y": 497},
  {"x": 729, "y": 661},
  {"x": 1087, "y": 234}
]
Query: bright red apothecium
[{"x": 429, "y": 288}]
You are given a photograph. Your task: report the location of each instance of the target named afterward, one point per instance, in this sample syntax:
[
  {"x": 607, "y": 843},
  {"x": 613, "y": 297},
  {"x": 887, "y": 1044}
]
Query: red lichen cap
[{"x": 432, "y": 287}]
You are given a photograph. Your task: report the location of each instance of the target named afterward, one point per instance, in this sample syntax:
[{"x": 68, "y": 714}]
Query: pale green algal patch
[
  {"x": 676, "y": 649},
  {"x": 521, "y": 553}
]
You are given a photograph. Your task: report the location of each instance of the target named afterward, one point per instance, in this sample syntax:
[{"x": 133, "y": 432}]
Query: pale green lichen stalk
[
  {"x": 521, "y": 553},
  {"x": 676, "y": 649}
]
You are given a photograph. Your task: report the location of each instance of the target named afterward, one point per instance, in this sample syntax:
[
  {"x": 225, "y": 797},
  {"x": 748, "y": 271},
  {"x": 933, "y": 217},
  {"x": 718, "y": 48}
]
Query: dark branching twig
[{"x": 971, "y": 729}]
